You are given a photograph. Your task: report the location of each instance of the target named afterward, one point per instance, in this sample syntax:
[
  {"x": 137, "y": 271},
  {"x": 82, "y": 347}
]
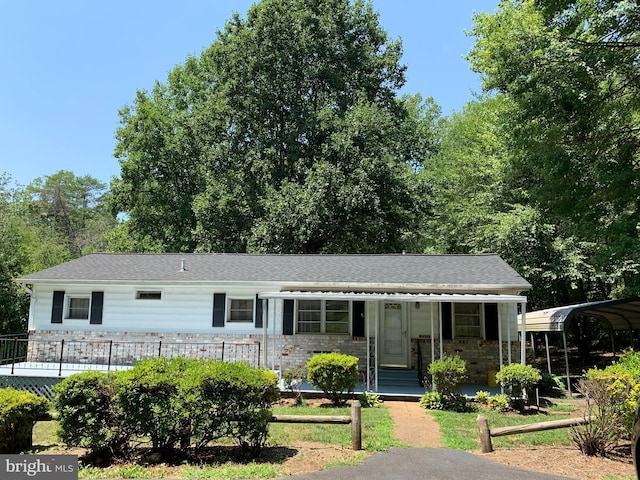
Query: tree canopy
[
  {"x": 286, "y": 135},
  {"x": 571, "y": 70}
]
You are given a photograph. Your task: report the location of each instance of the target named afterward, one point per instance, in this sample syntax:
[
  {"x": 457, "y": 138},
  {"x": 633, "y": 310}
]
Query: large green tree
[
  {"x": 476, "y": 208},
  {"x": 571, "y": 71},
  {"x": 73, "y": 209},
  {"x": 285, "y": 135}
]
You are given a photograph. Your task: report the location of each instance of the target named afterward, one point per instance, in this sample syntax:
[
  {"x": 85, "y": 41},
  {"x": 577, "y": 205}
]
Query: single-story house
[{"x": 400, "y": 311}]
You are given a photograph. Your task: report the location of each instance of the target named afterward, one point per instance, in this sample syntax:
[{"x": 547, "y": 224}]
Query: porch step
[{"x": 398, "y": 377}]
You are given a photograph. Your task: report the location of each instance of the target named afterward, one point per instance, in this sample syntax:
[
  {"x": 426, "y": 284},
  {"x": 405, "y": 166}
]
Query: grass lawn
[
  {"x": 460, "y": 430},
  {"x": 377, "y": 435}
]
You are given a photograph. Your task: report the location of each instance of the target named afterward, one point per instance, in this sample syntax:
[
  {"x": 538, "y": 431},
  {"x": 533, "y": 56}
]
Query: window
[
  {"x": 148, "y": 295},
  {"x": 467, "y": 320},
  {"x": 240, "y": 310},
  {"x": 78, "y": 308},
  {"x": 323, "y": 316}
]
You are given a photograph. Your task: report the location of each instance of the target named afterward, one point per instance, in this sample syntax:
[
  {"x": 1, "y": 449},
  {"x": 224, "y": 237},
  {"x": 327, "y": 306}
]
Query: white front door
[{"x": 393, "y": 336}]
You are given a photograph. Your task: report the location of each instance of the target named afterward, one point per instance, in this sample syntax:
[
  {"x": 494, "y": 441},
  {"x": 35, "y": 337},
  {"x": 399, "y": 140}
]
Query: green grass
[
  {"x": 377, "y": 428},
  {"x": 460, "y": 430}
]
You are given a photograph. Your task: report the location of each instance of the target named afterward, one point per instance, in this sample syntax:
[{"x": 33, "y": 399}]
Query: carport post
[
  {"x": 566, "y": 361},
  {"x": 546, "y": 345}
]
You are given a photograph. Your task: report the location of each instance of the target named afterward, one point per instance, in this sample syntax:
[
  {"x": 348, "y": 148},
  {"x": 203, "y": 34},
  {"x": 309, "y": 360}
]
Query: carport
[{"x": 622, "y": 314}]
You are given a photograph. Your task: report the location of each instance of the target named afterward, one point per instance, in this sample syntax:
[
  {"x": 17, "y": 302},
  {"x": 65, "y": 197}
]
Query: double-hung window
[
  {"x": 323, "y": 316},
  {"x": 467, "y": 320},
  {"x": 240, "y": 310},
  {"x": 78, "y": 307}
]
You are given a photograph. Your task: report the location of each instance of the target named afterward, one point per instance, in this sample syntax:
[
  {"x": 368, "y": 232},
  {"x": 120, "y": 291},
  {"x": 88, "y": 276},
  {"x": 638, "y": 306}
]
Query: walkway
[
  {"x": 413, "y": 426},
  {"x": 425, "y": 464}
]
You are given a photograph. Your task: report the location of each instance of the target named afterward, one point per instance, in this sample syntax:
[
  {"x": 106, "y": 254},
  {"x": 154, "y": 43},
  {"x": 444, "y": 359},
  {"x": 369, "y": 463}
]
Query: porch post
[
  {"x": 265, "y": 334},
  {"x": 500, "y": 337},
  {"x": 509, "y": 353},
  {"x": 523, "y": 339},
  {"x": 368, "y": 348},
  {"x": 377, "y": 334},
  {"x": 433, "y": 340},
  {"x": 440, "y": 324}
]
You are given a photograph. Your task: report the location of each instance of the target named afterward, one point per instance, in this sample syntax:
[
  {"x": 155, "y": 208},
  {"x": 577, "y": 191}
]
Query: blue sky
[{"x": 70, "y": 65}]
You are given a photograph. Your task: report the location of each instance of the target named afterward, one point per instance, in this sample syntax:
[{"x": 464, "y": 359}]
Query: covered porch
[{"x": 405, "y": 332}]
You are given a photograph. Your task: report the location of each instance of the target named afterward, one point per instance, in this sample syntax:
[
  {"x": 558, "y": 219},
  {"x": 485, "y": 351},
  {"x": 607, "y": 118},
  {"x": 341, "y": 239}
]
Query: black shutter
[
  {"x": 357, "y": 310},
  {"x": 491, "y": 321},
  {"x": 219, "y": 300},
  {"x": 447, "y": 327},
  {"x": 287, "y": 318},
  {"x": 259, "y": 307},
  {"x": 97, "y": 299},
  {"x": 58, "y": 306}
]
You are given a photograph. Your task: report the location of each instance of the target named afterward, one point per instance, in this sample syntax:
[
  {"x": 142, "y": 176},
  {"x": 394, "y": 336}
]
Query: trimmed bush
[
  {"x": 18, "y": 413},
  {"x": 517, "y": 380},
  {"x": 333, "y": 373},
  {"x": 448, "y": 374},
  {"x": 183, "y": 402},
  {"x": 89, "y": 416},
  {"x": 232, "y": 400}
]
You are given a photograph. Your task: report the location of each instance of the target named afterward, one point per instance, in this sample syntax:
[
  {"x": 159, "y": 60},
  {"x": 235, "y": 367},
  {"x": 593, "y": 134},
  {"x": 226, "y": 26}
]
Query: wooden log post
[
  {"x": 485, "y": 434},
  {"x": 356, "y": 425}
]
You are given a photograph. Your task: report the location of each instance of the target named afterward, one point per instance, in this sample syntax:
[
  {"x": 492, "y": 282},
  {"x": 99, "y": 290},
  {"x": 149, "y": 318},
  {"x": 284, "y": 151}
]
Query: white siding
[{"x": 185, "y": 309}]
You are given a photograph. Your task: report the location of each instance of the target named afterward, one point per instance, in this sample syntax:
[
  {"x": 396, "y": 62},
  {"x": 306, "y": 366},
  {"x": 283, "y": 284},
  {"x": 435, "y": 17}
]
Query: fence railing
[{"x": 62, "y": 355}]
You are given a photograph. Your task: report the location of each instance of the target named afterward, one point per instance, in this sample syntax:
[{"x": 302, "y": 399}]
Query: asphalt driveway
[{"x": 426, "y": 464}]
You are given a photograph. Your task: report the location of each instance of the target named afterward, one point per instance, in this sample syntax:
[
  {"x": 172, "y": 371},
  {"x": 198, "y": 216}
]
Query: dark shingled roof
[{"x": 443, "y": 270}]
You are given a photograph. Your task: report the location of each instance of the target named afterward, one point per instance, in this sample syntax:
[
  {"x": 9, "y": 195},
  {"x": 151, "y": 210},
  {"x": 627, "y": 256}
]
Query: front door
[{"x": 393, "y": 336}]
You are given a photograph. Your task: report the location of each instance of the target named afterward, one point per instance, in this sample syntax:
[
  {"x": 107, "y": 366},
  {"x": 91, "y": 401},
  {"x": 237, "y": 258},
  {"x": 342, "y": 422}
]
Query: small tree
[
  {"x": 334, "y": 374},
  {"x": 517, "y": 380},
  {"x": 447, "y": 375}
]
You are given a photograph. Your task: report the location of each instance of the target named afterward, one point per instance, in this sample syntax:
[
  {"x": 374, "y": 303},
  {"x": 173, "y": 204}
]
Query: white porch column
[
  {"x": 509, "y": 353},
  {"x": 440, "y": 324},
  {"x": 265, "y": 333},
  {"x": 523, "y": 339},
  {"x": 377, "y": 335},
  {"x": 500, "y": 306},
  {"x": 433, "y": 340},
  {"x": 368, "y": 347}
]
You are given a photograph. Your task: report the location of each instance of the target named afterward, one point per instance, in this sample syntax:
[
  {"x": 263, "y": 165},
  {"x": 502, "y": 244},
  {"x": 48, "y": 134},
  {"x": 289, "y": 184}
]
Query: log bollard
[
  {"x": 485, "y": 434},
  {"x": 356, "y": 425}
]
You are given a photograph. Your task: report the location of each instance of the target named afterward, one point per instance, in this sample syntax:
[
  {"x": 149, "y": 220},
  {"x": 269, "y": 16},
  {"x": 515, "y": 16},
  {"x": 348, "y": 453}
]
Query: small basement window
[{"x": 148, "y": 295}]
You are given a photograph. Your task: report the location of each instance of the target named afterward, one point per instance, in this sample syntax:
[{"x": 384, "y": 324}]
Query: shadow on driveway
[{"x": 426, "y": 464}]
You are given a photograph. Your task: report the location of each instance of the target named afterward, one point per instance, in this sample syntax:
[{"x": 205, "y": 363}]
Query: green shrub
[
  {"x": 517, "y": 380},
  {"x": 89, "y": 416},
  {"x": 18, "y": 413},
  {"x": 183, "y": 402},
  {"x": 233, "y": 400},
  {"x": 334, "y": 374},
  {"x": 149, "y": 397},
  {"x": 431, "y": 401},
  {"x": 448, "y": 375},
  {"x": 500, "y": 402},
  {"x": 369, "y": 399},
  {"x": 551, "y": 385},
  {"x": 482, "y": 397}
]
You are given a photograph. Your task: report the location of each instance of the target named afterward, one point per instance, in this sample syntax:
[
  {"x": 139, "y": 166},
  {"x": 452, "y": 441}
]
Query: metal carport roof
[{"x": 622, "y": 314}]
